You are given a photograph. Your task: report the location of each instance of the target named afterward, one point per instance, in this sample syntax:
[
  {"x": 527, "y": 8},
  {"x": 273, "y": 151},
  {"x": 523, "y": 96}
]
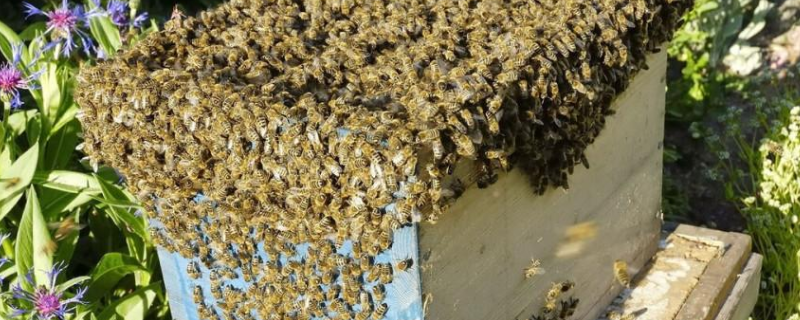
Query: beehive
[{"x": 290, "y": 149}]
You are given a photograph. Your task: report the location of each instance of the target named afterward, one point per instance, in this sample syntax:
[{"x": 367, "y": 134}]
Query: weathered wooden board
[
  {"x": 719, "y": 277},
  {"x": 692, "y": 275},
  {"x": 473, "y": 258},
  {"x": 742, "y": 299}
]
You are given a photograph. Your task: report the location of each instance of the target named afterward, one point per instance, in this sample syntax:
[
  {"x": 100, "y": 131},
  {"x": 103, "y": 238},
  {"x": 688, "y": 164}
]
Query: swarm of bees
[{"x": 331, "y": 122}]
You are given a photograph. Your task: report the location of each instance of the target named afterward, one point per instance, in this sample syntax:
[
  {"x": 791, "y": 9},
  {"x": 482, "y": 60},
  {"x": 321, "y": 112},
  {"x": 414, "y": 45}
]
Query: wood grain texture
[
  {"x": 720, "y": 276},
  {"x": 473, "y": 258},
  {"x": 660, "y": 290},
  {"x": 742, "y": 299}
]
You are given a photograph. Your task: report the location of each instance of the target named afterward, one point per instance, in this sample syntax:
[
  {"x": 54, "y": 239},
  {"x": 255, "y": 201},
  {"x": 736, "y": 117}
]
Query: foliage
[
  {"x": 715, "y": 31},
  {"x": 769, "y": 197},
  {"x": 774, "y": 215},
  {"x": 58, "y": 210}
]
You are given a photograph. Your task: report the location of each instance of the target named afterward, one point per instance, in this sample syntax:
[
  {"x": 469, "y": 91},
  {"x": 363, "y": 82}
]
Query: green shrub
[
  {"x": 773, "y": 214},
  {"x": 73, "y": 244}
]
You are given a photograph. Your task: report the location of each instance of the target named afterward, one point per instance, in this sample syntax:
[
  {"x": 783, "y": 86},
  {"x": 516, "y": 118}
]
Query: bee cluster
[
  {"x": 555, "y": 306},
  {"x": 319, "y": 123}
]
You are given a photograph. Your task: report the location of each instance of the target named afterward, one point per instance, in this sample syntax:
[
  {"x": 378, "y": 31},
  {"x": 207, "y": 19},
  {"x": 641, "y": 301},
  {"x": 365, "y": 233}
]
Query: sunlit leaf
[
  {"x": 34, "y": 246},
  {"x": 7, "y": 37},
  {"x": 8, "y": 203},
  {"x": 18, "y": 121},
  {"x": 758, "y": 22},
  {"x": 67, "y": 117},
  {"x": 122, "y": 217},
  {"x": 133, "y": 306},
  {"x": 65, "y": 180},
  {"x": 61, "y": 146},
  {"x": 51, "y": 91},
  {"x": 32, "y": 30},
  {"x": 111, "y": 269},
  {"x": 20, "y": 174},
  {"x": 71, "y": 282},
  {"x": 105, "y": 32}
]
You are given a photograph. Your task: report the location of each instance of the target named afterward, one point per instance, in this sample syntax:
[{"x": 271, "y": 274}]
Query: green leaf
[
  {"x": 7, "y": 37},
  {"x": 33, "y": 30},
  {"x": 34, "y": 128},
  {"x": 8, "y": 203},
  {"x": 105, "y": 32},
  {"x": 65, "y": 180},
  {"x": 111, "y": 269},
  {"x": 65, "y": 190},
  {"x": 65, "y": 118},
  {"x": 51, "y": 91},
  {"x": 134, "y": 306},
  {"x": 33, "y": 245},
  {"x": 20, "y": 174},
  {"x": 71, "y": 282},
  {"x": 61, "y": 146},
  {"x": 55, "y": 202},
  {"x": 123, "y": 218},
  {"x": 18, "y": 121}
]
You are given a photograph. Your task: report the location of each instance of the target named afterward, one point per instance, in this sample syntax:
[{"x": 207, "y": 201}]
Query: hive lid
[{"x": 310, "y": 122}]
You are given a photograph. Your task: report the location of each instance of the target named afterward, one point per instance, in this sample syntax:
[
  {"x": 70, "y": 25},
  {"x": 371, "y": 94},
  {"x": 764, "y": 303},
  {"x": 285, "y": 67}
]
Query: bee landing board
[{"x": 470, "y": 265}]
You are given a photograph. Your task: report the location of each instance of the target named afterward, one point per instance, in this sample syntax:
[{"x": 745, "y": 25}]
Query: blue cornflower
[
  {"x": 3, "y": 262},
  {"x": 63, "y": 25},
  {"x": 119, "y": 12},
  {"x": 12, "y": 78},
  {"x": 47, "y": 301}
]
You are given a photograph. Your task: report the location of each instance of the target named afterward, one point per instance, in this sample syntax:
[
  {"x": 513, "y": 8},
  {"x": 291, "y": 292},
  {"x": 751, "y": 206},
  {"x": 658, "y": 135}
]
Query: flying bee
[
  {"x": 534, "y": 269},
  {"x": 64, "y": 228},
  {"x": 621, "y": 273}
]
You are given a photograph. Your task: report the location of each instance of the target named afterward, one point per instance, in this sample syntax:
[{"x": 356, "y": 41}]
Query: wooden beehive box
[{"x": 470, "y": 264}]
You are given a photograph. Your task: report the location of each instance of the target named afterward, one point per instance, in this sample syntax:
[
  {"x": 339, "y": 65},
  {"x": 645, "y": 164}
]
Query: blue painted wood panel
[{"x": 403, "y": 294}]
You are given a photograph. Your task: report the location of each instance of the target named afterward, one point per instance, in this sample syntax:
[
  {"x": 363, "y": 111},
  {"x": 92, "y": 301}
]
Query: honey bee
[
  {"x": 380, "y": 311},
  {"x": 621, "y": 273},
  {"x": 534, "y": 269},
  {"x": 464, "y": 145},
  {"x": 614, "y": 315},
  {"x": 403, "y": 265},
  {"x": 193, "y": 269},
  {"x": 197, "y": 295}
]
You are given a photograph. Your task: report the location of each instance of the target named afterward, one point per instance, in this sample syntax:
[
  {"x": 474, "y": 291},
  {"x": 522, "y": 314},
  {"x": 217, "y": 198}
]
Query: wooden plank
[
  {"x": 684, "y": 274},
  {"x": 744, "y": 295},
  {"x": 660, "y": 290},
  {"x": 473, "y": 258},
  {"x": 707, "y": 297},
  {"x": 178, "y": 286}
]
